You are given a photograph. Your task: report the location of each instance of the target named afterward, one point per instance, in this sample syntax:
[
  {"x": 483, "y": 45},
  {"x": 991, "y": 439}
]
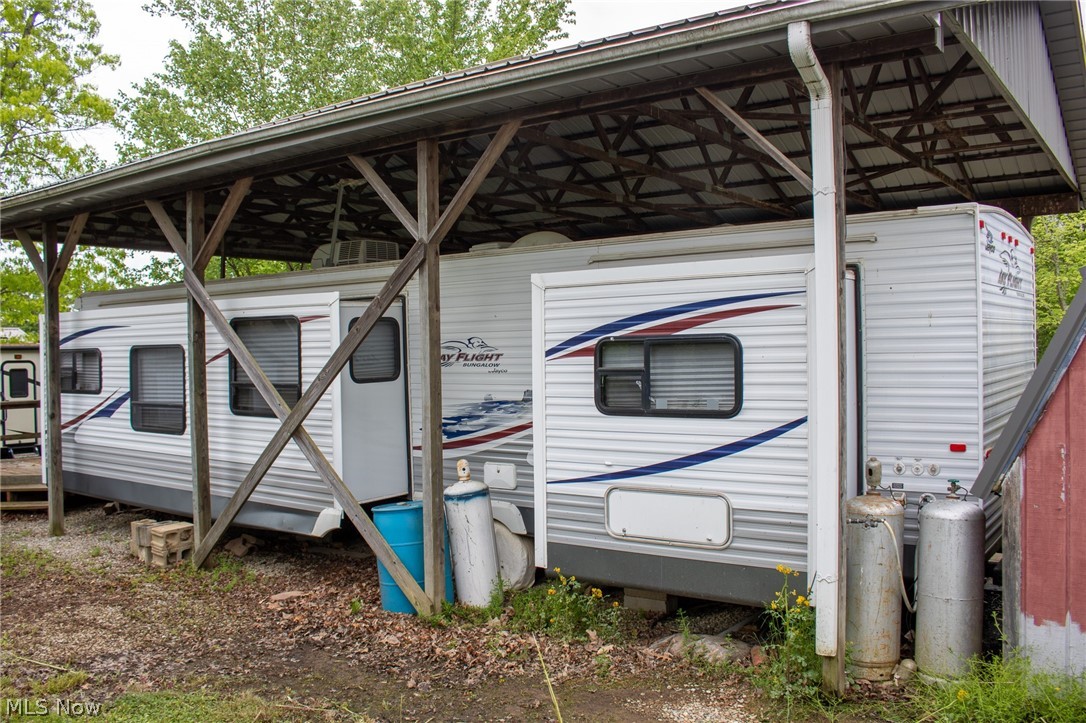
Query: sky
[{"x": 141, "y": 39}]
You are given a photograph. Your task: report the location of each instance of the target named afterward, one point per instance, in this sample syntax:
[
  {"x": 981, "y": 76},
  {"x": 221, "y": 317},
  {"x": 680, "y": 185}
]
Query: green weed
[
  {"x": 22, "y": 561},
  {"x": 1002, "y": 691},
  {"x": 565, "y": 609},
  {"x": 793, "y": 671}
]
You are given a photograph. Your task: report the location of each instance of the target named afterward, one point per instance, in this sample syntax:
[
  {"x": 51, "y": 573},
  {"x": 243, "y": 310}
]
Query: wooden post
[
  {"x": 433, "y": 508},
  {"x": 51, "y": 450},
  {"x": 197, "y": 351}
]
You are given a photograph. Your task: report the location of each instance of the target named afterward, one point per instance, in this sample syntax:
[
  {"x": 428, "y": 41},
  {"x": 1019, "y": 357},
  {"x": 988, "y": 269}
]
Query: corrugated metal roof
[{"x": 637, "y": 90}]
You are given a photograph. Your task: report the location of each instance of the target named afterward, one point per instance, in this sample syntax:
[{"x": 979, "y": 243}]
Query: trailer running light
[
  {"x": 1002, "y": 234},
  {"x": 982, "y": 223},
  {"x": 1016, "y": 242},
  {"x": 957, "y": 447},
  {"x": 1031, "y": 249}
]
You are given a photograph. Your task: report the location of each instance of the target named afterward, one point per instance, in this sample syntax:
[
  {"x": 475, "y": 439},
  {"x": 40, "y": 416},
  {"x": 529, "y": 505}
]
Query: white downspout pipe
[{"x": 824, "y": 521}]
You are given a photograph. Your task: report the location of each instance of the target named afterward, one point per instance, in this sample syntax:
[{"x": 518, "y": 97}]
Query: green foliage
[
  {"x": 48, "y": 50},
  {"x": 1060, "y": 253},
  {"x": 793, "y": 670},
  {"x": 1002, "y": 691},
  {"x": 252, "y": 62},
  {"x": 91, "y": 269},
  {"x": 59, "y": 684},
  {"x": 191, "y": 708},
  {"x": 565, "y": 609},
  {"x": 18, "y": 562}
]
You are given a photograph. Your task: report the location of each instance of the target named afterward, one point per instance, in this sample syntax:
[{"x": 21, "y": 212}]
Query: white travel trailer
[
  {"x": 639, "y": 405},
  {"x": 20, "y": 387}
]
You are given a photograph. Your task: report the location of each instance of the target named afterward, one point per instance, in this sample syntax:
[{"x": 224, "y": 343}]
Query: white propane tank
[
  {"x": 471, "y": 537},
  {"x": 949, "y": 586},
  {"x": 874, "y": 538}
]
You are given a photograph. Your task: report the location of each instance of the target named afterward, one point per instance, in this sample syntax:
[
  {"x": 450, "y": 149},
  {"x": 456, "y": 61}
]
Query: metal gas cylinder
[
  {"x": 949, "y": 585},
  {"x": 471, "y": 538},
  {"x": 874, "y": 535}
]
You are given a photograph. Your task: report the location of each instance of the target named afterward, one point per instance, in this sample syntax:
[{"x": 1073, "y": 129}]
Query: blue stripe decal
[
  {"x": 614, "y": 327},
  {"x": 110, "y": 409},
  {"x": 77, "y": 334},
  {"x": 708, "y": 455}
]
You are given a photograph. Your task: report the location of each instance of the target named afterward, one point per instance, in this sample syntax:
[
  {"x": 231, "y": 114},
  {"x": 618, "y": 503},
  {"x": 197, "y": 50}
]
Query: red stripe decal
[
  {"x": 483, "y": 438},
  {"x": 674, "y": 327},
  {"x": 84, "y": 415}
]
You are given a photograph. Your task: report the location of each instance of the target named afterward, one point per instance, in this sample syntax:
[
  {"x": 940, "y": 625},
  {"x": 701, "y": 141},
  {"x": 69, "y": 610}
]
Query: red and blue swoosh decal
[
  {"x": 583, "y": 344},
  {"x": 690, "y": 460},
  {"x": 77, "y": 334},
  {"x": 103, "y": 410}
]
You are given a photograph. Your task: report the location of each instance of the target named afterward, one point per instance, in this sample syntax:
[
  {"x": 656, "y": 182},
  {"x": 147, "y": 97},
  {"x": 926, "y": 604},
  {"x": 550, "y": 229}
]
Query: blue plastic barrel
[{"x": 401, "y": 525}]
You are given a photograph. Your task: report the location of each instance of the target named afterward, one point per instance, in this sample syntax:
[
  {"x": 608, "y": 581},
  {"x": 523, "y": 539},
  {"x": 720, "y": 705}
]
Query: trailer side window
[
  {"x": 276, "y": 344},
  {"x": 377, "y": 359},
  {"x": 157, "y": 381},
  {"x": 18, "y": 383},
  {"x": 675, "y": 376},
  {"x": 81, "y": 371}
]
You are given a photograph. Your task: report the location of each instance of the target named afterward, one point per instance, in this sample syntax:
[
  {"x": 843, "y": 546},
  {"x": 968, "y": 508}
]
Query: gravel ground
[{"x": 82, "y": 601}]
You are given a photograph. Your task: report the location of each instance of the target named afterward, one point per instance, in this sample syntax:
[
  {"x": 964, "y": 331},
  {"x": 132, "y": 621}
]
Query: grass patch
[
  {"x": 1001, "y": 691},
  {"x": 59, "y": 684},
  {"x": 193, "y": 708},
  {"x": 16, "y": 562}
]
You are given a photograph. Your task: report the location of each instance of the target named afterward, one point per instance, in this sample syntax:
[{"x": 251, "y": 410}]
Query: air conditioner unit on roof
[{"x": 355, "y": 251}]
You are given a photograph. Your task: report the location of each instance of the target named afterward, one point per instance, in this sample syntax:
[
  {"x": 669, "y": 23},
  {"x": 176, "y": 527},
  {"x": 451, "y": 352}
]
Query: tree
[
  {"x": 91, "y": 269},
  {"x": 1060, "y": 253},
  {"x": 253, "y": 61},
  {"x": 47, "y": 51}
]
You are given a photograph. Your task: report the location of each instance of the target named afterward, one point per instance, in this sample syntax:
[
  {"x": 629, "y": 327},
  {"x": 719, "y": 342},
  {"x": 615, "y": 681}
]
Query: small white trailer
[
  {"x": 639, "y": 405},
  {"x": 20, "y": 391}
]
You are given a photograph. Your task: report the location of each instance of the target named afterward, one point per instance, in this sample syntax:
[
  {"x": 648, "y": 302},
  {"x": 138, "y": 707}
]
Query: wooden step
[
  {"x": 24, "y": 505},
  {"x": 35, "y": 486}
]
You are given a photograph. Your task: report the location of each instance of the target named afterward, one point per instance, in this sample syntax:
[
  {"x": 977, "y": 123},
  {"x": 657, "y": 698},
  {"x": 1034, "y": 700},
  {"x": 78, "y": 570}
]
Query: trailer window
[
  {"x": 276, "y": 344},
  {"x": 685, "y": 376},
  {"x": 377, "y": 359},
  {"x": 81, "y": 371},
  {"x": 18, "y": 383},
  {"x": 157, "y": 381}
]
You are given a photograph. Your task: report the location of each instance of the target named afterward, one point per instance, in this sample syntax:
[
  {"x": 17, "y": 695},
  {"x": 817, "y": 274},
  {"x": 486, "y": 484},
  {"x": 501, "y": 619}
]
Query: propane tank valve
[
  {"x": 873, "y": 472},
  {"x": 463, "y": 471},
  {"x": 952, "y": 489}
]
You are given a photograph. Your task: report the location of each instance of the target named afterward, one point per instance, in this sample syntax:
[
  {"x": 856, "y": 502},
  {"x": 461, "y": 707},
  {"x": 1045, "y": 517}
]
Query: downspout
[{"x": 824, "y": 530}]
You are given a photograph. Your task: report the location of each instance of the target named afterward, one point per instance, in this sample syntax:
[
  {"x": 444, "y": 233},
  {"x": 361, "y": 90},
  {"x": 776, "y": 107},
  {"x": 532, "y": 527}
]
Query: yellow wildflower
[
  {"x": 614, "y": 604},
  {"x": 773, "y": 605},
  {"x": 784, "y": 570},
  {"x": 550, "y": 591},
  {"x": 557, "y": 571},
  {"x": 962, "y": 694},
  {"x": 801, "y": 600}
]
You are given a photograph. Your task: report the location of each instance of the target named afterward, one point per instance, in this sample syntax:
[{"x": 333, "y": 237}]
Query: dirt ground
[{"x": 325, "y": 650}]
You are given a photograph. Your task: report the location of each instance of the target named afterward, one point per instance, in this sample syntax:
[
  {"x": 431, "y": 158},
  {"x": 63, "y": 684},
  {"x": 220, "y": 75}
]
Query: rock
[
  {"x": 279, "y": 597},
  {"x": 111, "y": 508},
  {"x": 758, "y": 656},
  {"x": 238, "y": 547},
  {"x": 713, "y": 648}
]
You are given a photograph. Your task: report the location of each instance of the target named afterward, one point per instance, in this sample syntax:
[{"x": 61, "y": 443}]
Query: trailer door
[
  {"x": 20, "y": 384},
  {"x": 376, "y": 447}
]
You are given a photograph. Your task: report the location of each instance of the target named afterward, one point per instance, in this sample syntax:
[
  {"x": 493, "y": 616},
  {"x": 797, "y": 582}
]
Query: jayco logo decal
[{"x": 472, "y": 353}]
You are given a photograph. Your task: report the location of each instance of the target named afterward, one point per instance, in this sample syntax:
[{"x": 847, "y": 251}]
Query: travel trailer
[
  {"x": 639, "y": 405},
  {"x": 20, "y": 387}
]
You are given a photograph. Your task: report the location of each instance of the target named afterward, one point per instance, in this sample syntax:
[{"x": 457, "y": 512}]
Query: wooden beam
[
  {"x": 433, "y": 487},
  {"x": 386, "y": 194},
  {"x": 32, "y": 253},
  {"x": 210, "y": 245},
  {"x": 71, "y": 240},
  {"x": 291, "y": 419},
  {"x": 756, "y": 137},
  {"x": 475, "y": 179},
  {"x": 52, "y": 456},
  {"x": 197, "y": 358}
]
